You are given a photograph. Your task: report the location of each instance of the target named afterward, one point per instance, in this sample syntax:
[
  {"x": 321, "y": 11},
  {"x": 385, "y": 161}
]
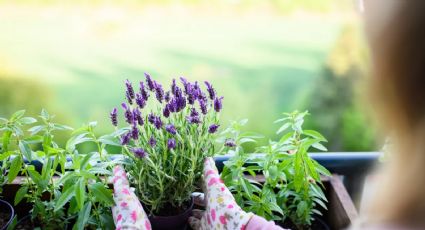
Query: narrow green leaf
[
  {"x": 15, "y": 168},
  {"x": 319, "y": 147},
  {"x": 83, "y": 217},
  {"x": 80, "y": 192},
  {"x": 17, "y": 115},
  {"x": 5, "y": 155},
  {"x": 110, "y": 140},
  {"x": 27, "y": 120},
  {"x": 20, "y": 194},
  {"x": 283, "y": 128},
  {"x": 314, "y": 134},
  {"x": 34, "y": 139},
  {"x": 102, "y": 193},
  {"x": 25, "y": 150},
  {"x": 36, "y": 129},
  {"x": 65, "y": 197}
]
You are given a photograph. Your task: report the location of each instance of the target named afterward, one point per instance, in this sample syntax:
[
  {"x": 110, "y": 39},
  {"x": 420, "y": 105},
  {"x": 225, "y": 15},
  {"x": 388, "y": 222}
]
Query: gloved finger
[
  {"x": 210, "y": 170},
  {"x": 195, "y": 223},
  {"x": 119, "y": 177},
  {"x": 197, "y": 213},
  {"x": 199, "y": 198}
]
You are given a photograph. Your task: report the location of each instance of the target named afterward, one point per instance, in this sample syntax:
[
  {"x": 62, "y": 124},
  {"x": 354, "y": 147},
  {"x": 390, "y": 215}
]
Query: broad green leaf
[
  {"x": 36, "y": 129},
  {"x": 319, "y": 147},
  {"x": 5, "y": 155},
  {"x": 25, "y": 150},
  {"x": 85, "y": 160},
  {"x": 65, "y": 197},
  {"x": 321, "y": 169},
  {"x": 80, "y": 192},
  {"x": 44, "y": 114},
  {"x": 273, "y": 172},
  {"x": 83, "y": 217},
  {"x": 314, "y": 134},
  {"x": 320, "y": 202},
  {"x": 301, "y": 208},
  {"x": 34, "y": 139},
  {"x": 110, "y": 140},
  {"x": 27, "y": 120},
  {"x": 20, "y": 194},
  {"x": 100, "y": 171},
  {"x": 17, "y": 115},
  {"x": 62, "y": 127},
  {"x": 15, "y": 167},
  {"x": 283, "y": 128},
  {"x": 102, "y": 193}
]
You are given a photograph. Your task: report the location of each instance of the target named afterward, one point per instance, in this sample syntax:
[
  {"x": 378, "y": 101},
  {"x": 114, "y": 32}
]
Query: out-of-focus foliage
[{"x": 335, "y": 100}]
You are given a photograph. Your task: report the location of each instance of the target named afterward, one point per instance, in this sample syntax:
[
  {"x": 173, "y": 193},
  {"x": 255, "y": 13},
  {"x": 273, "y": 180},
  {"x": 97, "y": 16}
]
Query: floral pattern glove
[
  {"x": 128, "y": 213},
  {"x": 221, "y": 212}
]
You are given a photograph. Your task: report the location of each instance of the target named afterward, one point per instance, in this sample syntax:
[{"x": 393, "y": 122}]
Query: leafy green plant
[
  {"x": 62, "y": 191},
  {"x": 166, "y": 146},
  {"x": 291, "y": 186}
]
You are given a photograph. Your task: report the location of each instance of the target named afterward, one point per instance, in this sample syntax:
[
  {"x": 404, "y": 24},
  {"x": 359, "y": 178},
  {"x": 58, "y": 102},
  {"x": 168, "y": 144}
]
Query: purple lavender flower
[
  {"x": 152, "y": 141},
  {"x": 196, "y": 91},
  {"x": 149, "y": 82},
  {"x": 210, "y": 90},
  {"x": 181, "y": 103},
  {"x": 137, "y": 116},
  {"x": 140, "y": 101},
  {"x": 171, "y": 129},
  {"x": 218, "y": 104},
  {"x": 194, "y": 113},
  {"x": 167, "y": 96},
  {"x": 203, "y": 105},
  {"x": 229, "y": 143},
  {"x": 113, "y": 116},
  {"x": 171, "y": 144},
  {"x": 174, "y": 87},
  {"x": 129, "y": 99},
  {"x": 172, "y": 105},
  {"x": 187, "y": 86},
  {"x": 151, "y": 118},
  {"x": 158, "y": 123},
  {"x": 134, "y": 132},
  {"x": 166, "y": 111},
  {"x": 143, "y": 91},
  {"x": 139, "y": 152},
  {"x": 127, "y": 113},
  {"x": 159, "y": 92},
  {"x": 125, "y": 138},
  {"x": 193, "y": 120},
  {"x": 129, "y": 91},
  {"x": 213, "y": 128}
]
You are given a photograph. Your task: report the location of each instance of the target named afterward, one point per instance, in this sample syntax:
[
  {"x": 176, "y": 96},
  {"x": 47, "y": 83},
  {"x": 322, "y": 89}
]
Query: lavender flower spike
[
  {"x": 125, "y": 139},
  {"x": 159, "y": 92},
  {"x": 203, "y": 105},
  {"x": 210, "y": 90},
  {"x": 213, "y": 128},
  {"x": 158, "y": 123},
  {"x": 114, "y": 119},
  {"x": 127, "y": 113},
  {"x": 166, "y": 111},
  {"x": 140, "y": 101},
  {"x": 171, "y": 144},
  {"x": 139, "y": 152},
  {"x": 152, "y": 141},
  {"x": 129, "y": 92},
  {"x": 229, "y": 143},
  {"x": 218, "y": 104},
  {"x": 137, "y": 116},
  {"x": 149, "y": 81},
  {"x": 143, "y": 91},
  {"x": 171, "y": 129},
  {"x": 135, "y": 132}
]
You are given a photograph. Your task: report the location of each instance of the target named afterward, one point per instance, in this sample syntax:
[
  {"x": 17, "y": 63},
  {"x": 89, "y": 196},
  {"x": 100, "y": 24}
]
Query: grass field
[{"x": 262, "y": 64}]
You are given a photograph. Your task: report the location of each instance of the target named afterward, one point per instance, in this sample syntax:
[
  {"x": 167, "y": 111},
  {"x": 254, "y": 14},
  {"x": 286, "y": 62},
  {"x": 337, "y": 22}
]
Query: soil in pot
[
  {"x": 318, "y": 224},
  {"x": 172, "y": 218},
  {"x": 6, "y": 214}
]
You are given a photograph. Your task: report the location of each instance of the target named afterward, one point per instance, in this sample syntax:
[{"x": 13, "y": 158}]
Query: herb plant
[
  {"x": 291, "y": 187},
  {"x": 165, "y": 143},
  {"x": 62, "y": 191}
]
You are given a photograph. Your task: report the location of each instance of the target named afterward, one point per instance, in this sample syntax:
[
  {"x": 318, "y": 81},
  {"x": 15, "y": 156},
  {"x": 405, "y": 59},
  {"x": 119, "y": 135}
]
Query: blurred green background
[{"x": 264, "y": 57}]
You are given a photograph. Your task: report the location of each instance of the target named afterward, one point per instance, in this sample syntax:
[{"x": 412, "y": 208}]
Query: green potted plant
[
  {"x": 165, "y": 144},
  {"x": 65, "y": 193},
  {"x": 291, "y": 190}
]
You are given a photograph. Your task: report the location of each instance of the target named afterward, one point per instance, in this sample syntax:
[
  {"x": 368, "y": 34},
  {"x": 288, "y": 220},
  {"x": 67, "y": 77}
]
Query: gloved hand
[
  {"x": 128, "y": 213},
  {"x": 221, "y": 212}
]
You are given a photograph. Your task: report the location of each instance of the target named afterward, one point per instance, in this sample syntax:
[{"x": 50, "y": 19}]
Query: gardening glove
[
  {"x": 222, "y": 212},
  {"x": 128, "y": 213}
]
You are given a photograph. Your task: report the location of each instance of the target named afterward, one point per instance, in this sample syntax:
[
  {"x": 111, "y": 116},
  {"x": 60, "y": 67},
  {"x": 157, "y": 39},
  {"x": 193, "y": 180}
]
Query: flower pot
[
  {"x": 176, "y": 222},
  {"x": 6, "y": 214}
]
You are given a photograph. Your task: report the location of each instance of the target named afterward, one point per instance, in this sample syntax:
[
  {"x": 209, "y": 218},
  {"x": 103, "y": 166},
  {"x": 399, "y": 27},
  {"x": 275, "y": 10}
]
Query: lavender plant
[{"x": 166, "y": 142}]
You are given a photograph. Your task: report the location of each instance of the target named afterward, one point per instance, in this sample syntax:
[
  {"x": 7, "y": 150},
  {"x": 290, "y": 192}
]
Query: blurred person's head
[{"x": 396, "y": 34}]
